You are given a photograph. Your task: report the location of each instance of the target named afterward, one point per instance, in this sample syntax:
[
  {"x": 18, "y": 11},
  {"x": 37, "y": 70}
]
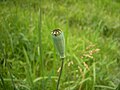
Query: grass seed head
[{"x": 59, "y": 42}]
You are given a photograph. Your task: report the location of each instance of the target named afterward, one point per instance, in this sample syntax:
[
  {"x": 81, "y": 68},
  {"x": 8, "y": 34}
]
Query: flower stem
[{"x": 60, "y": 74}]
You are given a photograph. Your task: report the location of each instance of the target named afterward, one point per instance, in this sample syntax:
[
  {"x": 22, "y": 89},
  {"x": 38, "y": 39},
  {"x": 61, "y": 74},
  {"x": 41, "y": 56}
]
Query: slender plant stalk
[
  {"x": 40, "y": 45},
  {"x": 60, "y": 74},
  {"x": 28, "y": 70},
  {"x": 94, "y": 76}
]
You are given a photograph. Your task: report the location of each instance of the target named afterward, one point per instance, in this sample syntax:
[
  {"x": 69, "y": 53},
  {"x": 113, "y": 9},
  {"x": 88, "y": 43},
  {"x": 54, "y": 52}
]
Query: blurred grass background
[{"x": 92, "y": 34}]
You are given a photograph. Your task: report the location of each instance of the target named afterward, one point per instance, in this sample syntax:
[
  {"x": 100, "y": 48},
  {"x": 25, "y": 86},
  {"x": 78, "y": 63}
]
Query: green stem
[
  {"x": 60, "y": 74},
  {"x": 40, "y": 45}
]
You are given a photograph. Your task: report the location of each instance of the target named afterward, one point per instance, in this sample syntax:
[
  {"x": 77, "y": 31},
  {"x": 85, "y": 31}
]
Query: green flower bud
[{"x": 59, "y": 42}]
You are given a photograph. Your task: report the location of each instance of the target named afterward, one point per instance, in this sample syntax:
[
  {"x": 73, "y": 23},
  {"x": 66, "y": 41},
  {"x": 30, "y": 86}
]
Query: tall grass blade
[
  {"x": 105, "y": 87},
  {"x": 40, "y": 45},
  {"x": 28, "y": 70},
  {"x": 94, "y": 75}
]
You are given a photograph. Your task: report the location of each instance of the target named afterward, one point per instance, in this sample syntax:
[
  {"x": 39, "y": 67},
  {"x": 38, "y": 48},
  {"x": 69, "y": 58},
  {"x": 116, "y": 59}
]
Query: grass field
[{"x": 28, "y": 60}]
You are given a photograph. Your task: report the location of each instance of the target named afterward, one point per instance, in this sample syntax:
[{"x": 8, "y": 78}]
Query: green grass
[{"x": 92, "y": 34}]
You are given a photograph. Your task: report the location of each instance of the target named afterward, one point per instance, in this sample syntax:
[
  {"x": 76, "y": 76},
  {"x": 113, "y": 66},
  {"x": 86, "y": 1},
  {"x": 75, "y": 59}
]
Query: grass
[{"x": 92, "y": 35}]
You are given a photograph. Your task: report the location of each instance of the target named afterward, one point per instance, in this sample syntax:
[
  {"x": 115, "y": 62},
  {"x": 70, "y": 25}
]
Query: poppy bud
[{"x": 59, "y": 42}]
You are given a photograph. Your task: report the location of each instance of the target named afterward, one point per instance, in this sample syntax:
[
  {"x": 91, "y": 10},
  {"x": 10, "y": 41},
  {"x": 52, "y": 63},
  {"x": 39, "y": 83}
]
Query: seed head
[{"x": 59, "y": 41}]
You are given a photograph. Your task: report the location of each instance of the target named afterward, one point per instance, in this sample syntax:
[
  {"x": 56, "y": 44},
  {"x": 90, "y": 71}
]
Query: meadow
[{"x": 28, "y": 59}]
